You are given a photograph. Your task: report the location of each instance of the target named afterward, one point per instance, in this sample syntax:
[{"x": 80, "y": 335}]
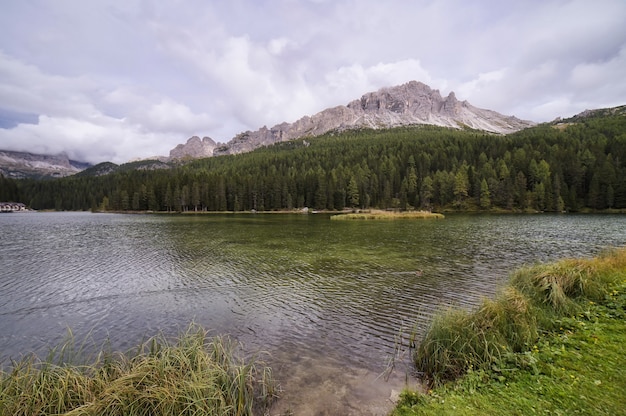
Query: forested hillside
[{"x": 553, "y": 167}]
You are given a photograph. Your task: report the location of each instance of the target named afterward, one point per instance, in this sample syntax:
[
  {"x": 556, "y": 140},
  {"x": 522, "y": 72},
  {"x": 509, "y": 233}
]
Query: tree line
[{"x": 564, "y": 167}]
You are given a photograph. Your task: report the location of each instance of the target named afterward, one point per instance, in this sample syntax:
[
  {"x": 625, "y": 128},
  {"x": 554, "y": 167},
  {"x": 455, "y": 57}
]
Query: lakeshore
[
  {"x": 551, "y": 342},
  {"x": 328, "y": 301},
  {"x": 570, "y": 363}
]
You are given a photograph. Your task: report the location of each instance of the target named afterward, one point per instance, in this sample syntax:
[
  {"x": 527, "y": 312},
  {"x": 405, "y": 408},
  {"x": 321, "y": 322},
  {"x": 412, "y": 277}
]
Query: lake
[{"x": 331, "y": 303}]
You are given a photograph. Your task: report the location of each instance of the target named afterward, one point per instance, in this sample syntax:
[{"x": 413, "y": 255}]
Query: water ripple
[{"x": 354, "y": 290}]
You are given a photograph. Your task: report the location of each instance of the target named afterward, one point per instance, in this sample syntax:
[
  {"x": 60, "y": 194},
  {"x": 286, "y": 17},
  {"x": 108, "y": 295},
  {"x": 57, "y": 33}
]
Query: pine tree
[
  {"x": 485, "y": 200},
  {"x": 353, "y": 193}
]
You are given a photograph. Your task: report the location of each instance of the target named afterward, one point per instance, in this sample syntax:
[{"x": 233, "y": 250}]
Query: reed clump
[
  {"x": 536, "y": 299},
  {"x": 196, "y": 375},
  {"x": 387, "y": 215},
  {"x": 458, "y": 340}
]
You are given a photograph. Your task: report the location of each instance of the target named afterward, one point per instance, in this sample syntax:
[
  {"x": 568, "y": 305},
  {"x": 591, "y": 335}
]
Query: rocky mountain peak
[
  {"x": 412, "y": 103},
  {"x": 401, "y": 99},
  {"x": 194, "y": 148}
]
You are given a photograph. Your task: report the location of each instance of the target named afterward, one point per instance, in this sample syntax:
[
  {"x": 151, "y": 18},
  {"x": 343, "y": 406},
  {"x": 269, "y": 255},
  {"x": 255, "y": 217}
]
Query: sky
[{"x": 120, "y": 80}]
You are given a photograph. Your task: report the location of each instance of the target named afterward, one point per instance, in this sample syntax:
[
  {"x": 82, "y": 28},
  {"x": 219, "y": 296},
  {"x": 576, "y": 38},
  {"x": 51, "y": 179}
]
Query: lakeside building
[{"x": 12, "y": 207}]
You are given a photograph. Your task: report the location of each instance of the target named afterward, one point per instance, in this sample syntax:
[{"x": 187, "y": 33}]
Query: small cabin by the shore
[{"x": 12, "y": 207}]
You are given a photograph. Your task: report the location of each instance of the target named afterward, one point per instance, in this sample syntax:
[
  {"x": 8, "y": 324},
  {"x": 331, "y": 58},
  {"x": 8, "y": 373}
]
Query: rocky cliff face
[
  {"x": 408, "y": 104},
  {"x": 24, "y": 164},
  {"x": 194, "y": 148}
]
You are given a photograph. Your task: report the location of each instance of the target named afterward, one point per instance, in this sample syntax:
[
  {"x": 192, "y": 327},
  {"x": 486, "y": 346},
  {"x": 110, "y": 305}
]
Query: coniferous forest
[{"x": 578, "y": 164}]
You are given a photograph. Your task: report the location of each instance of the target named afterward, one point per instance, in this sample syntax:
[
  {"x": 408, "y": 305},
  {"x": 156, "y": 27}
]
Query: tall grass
[
  {"x": 196, "y": 375},
  {"x": 458, "y": 340},
  {"x": 535, "y": 300}
]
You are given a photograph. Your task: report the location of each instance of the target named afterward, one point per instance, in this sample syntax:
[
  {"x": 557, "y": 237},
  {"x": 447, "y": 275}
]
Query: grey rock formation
[
  {"x": 24, "y": 164},
  {"x": 194, "y": 148},
  {"x": 408, "y": 104}
]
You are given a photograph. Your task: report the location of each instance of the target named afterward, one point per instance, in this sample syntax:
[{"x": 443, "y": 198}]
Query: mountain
[
  {"x": 106, "y": 168},
  {"x": 597, "y": 113},
  {"x": 413, "y": 103},
  {"x": 194, "y": 148},
  {"x": 30, "y": 165}
]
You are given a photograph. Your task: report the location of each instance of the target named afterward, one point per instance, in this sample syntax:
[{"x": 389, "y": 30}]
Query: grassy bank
[
  {"x": 195, "y": 375},
  {"x": 387, "y": 215},
  {"x": 551, "y": 342}
]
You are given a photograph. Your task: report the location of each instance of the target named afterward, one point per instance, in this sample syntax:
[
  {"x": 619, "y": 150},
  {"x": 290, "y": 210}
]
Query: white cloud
[
  {"x": 279, "y": 45},
  {"x": 593, "y": 75},
  {"x": 138, "y": 78},
  {"x": 484, "y": 82},
  {"x": 25, "y": 88},
  {"x": 350, "y": 82},
  {"x": 92, "y": 140},
  {"x": 171, "y": 116},
  {"x": 74, "y": 116},
  {"x": 558, "y": 105}
]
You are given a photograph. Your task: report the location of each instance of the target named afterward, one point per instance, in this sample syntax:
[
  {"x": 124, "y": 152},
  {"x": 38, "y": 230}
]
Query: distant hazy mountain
[
  {"x": 27, "y": 165},
  {"x": 408, "y": 104},
  {"x": 596, "y": 113},
  {"x": 106, "y": 168}
]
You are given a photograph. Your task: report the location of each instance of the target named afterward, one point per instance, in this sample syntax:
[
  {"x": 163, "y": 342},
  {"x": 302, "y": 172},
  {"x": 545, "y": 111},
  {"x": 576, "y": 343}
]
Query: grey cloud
[{"x": 113, "y": 80}]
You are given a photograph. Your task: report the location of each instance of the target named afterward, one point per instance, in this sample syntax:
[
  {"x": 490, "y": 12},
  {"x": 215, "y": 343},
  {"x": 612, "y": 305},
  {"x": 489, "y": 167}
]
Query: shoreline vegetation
[
  {"x": 352, "y": 214},
  {"x": 550, "y": 342},
  {"x": 386, "y": 215},
  {"x": 333, "y": 213},
  {"x": 191, "y": 376}
]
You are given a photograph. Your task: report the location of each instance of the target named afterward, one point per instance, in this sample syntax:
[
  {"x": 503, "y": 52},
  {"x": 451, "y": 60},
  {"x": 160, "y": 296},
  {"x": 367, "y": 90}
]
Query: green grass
[
  {"x": 387, "y": 215},
  {"x": 196, "y": 375},
  {"x": 550, "y": 343}
]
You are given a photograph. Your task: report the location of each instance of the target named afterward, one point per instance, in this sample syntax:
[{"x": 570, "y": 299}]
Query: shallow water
[{"x": 331, "y": 302}]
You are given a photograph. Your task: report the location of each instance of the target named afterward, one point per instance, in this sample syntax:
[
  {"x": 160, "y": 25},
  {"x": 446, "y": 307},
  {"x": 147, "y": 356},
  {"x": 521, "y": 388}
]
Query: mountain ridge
[
  {"x": 19, "y": 165},
  {"x": 412, "y": 103}
]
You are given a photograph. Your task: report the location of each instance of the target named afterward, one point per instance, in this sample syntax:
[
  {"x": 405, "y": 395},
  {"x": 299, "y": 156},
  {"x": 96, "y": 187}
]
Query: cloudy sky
[{"x": 118, "y": 80}]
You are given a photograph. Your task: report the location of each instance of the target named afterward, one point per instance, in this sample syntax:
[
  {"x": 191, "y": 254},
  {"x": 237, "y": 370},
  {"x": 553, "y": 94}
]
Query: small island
[{"x": 387, "y": 215}]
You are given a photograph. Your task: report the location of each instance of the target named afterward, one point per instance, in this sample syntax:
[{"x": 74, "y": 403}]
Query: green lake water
[{"x": 331, "y": 303}]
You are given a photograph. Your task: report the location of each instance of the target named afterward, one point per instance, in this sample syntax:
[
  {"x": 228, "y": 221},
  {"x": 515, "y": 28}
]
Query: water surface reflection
[{"x": 313, "y": 293}]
